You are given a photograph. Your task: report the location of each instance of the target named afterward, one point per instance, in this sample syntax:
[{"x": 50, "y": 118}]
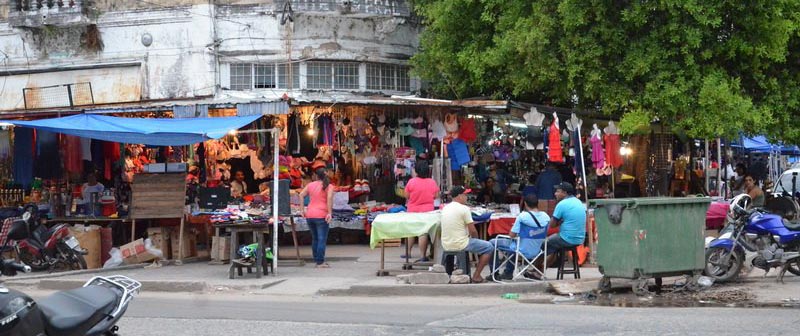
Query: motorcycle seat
[{"x": 75, "y": 312}]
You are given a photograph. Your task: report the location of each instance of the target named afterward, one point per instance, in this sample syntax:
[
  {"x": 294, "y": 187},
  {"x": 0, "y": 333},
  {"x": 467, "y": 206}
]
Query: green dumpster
[{"x": 652, "y": 237}]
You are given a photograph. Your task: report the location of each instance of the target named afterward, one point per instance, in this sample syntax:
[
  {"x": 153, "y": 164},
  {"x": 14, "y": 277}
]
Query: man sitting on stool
[
  {"x": 459, "y": 233},
  {"x": 570, "y": 216}
]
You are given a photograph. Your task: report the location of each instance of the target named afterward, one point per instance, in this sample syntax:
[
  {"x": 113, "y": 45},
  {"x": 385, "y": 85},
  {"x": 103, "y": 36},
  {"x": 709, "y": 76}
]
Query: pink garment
[
  {"x": 598, "y": 153},
  {"x": 73, "y": 155},
  {"x": 318, "y": 207},
  {"x": 421, "y": 193}
]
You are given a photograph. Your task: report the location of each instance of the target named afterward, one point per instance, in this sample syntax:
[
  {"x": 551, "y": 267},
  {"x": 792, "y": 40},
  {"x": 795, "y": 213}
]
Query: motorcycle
[
  {"x": 92, "y": 310},
  {"x": 52, "y": 248},
  {"x": 754, "y": 238}
]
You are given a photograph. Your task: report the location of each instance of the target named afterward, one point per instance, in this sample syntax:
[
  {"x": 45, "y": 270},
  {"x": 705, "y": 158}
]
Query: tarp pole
[
  {"x": 275, "y": 175},
  {"x": 706, "y": 166},
  {"x": 719, "y": 170}
]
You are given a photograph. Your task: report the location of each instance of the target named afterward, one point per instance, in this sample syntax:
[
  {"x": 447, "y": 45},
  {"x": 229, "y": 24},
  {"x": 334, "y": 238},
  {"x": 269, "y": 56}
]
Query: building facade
[{"x": 78, "y": 54}]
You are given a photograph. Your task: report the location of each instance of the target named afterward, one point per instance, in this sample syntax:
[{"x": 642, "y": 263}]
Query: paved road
[{"x": 174, "y": 314}]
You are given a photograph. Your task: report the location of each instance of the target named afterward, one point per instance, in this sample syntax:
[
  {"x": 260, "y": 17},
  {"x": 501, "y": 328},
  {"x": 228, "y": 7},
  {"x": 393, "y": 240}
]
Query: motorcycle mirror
[
  {"x": 797, "y": 194},
  {"x": 18, "y": 230},
  {"x": 26, "y": 216}
]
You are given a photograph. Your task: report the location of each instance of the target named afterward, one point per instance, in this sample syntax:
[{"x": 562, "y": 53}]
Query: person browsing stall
[
  {"x": 318, "y": 214},
  {"x": 421, "y": 192},
  {"x": 754, "y": 191},
  {"x": 459, "y": 233},
  {"x": 532, "y": 218},
  {"x": 570, "y": 217},
  {"x": 238, "y": 186}
]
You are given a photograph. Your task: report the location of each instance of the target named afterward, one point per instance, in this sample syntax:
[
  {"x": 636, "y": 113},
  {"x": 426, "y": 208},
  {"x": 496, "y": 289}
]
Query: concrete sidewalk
[{"x": 353, "y": 273}]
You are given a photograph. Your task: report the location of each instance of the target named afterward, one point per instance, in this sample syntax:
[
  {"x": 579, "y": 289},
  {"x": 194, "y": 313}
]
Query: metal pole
[
  {"x": 275, "y": 175},
  {"x": 592, "y": 244},
  {"x": 705, "y": 165},
  {"x": 719, "y": 170}
]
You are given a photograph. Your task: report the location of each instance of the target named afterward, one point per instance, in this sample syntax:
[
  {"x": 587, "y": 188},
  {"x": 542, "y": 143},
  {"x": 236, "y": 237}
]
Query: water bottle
[{"x": 510, "y": 296}]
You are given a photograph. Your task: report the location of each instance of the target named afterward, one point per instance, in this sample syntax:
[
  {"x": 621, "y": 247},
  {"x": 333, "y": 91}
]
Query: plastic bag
[
  {"x": 115, "y": 260},
  {"x": 148, "y": 246}
]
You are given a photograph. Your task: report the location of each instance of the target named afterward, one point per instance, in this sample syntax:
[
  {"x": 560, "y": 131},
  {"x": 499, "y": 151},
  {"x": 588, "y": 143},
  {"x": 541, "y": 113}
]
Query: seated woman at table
[
  {"x": 264, "y": 191},
  {"x": 486, "y": 195}
]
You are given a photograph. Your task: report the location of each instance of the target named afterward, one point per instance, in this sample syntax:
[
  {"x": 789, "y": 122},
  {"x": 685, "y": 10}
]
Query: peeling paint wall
[{"x": 188, "y": 44}]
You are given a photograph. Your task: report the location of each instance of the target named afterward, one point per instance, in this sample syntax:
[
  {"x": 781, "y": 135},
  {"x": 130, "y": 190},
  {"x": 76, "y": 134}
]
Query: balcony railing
[{"x": 37, "y": 13}]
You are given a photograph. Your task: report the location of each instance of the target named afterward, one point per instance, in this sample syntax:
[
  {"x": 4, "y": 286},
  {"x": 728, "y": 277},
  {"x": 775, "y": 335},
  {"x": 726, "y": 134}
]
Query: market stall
[{"x": 158, "y": 194}]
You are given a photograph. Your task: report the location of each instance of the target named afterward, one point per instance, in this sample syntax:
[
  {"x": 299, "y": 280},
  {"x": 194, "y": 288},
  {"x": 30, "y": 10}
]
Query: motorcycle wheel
[
  {"x": 27, "y": 258},
  {"x": 78, "y": 261},
  {"x": 719, "y": 272}
]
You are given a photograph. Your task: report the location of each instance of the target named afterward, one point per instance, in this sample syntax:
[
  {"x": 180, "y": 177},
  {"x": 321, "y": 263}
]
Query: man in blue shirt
[
  {"x": 570, "y": 216},
  {"x": 529, "y": 248},
  {"x": 547, "y": 180}
]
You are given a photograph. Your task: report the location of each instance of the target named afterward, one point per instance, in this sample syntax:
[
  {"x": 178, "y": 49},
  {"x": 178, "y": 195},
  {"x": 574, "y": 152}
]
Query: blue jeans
[{"x": 319, "y": 238}]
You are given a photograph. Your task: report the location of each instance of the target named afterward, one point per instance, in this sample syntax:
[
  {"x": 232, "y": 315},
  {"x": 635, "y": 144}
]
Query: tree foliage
[{"x": 708, "y": 68}]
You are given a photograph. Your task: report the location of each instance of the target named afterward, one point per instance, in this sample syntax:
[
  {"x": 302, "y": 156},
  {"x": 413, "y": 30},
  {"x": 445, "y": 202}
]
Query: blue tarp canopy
[
  {"x": 760, "y": 144},
  {"x": 155, "y": 132}
]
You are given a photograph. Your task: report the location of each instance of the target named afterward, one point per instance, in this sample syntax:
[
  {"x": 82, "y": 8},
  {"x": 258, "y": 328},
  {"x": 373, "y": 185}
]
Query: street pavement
[{"x": 241, "y": 314}]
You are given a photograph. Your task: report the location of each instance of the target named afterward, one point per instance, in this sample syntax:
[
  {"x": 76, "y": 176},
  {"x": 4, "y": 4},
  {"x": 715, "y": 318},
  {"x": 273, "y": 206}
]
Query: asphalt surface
[{"x": 225, "y": 314}]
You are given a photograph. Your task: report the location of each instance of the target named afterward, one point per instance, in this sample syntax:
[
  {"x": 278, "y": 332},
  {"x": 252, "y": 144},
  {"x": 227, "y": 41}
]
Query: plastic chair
[
  {"x": 517, "y": 257},
  {"x": 463, "y": 261},
  {"x": 561, "y": 256}
]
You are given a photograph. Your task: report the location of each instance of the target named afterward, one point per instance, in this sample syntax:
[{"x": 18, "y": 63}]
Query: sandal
[
  {"x": 472, "y": 280},
  {"x": 323, "y": 265}
]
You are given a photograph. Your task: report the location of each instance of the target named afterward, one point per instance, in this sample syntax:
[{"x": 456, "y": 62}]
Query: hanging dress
[
  {"x": 554, "y": 151},
  {"x": 467, "y": 131},
  {"x": 613, "y": 156},
  {"x": 598, "y": 153}
]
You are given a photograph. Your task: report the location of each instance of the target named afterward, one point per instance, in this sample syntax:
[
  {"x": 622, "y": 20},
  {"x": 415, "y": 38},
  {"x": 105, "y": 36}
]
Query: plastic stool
[
  {"x": 561, "y": 256},
  {"x": 463, "y": 261}
]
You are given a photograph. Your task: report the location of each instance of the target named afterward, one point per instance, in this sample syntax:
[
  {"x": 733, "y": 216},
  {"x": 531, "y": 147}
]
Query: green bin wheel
[
  {"x": 640, "y": 287},
  {"x": 604, "y": 285}
]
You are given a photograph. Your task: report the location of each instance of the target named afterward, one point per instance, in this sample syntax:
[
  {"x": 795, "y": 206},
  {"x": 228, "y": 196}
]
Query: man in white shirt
[{"x": 459, "y": 233}]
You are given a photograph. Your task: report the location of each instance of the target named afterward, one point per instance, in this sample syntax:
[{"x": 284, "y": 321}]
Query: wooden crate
[{"x": 391, "y": 242}]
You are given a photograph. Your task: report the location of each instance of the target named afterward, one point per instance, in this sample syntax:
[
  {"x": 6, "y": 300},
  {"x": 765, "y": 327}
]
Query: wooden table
[{"x": 258, "y": 231}]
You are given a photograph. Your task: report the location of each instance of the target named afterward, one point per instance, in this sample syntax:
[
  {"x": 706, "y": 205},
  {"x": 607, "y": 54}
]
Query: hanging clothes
[
  {"x": 437, "y": 130},
  {"x": 554, "y": 151},
  {"x": 598, "y": 153},
  {"x": 459, "y": 154},
  {"x": 293, "y": 136},
  {"x": 86, "y": 149},
  {"x": 98, "y": 159},
  {"x": 613, "y": 156},
  {"x": 467, "y": 130},
  {"x": 5, "y": 144},
  {"x": 23, "y": 156},
  {"x": 72, "y": 153},
  {"x": 111, "y": 155},
  {"x": 201, "y": 161},
  {"x": 47, "y": 164},
  {"x": 576, "y": 142}
]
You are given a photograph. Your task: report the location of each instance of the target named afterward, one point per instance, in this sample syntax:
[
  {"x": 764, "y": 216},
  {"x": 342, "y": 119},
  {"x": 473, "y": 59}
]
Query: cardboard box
[
  {"x": 160, "y": 237},
  {"x": 220, "y": 248},
  {"x": 189, "y": 244},
  {"x": 135, "y": 253},
  {"x": 176, "y": 167},
  {"x": 154, "y": 168},
  {"x": 89, "y": 239}
]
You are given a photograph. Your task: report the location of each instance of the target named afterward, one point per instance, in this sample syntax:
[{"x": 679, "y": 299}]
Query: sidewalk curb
[
  {"x": 78, "y": 272},
  {"x": 437, "y": 290},
  {"x": 147, "y": 285}
]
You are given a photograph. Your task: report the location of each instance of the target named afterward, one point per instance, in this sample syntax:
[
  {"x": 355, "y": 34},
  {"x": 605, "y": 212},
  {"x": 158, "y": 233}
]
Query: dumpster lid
[{"x": 648, "y": 201}]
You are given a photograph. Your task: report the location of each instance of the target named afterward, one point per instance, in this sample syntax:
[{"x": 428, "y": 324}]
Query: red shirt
[{"x": 421, "y": 193}]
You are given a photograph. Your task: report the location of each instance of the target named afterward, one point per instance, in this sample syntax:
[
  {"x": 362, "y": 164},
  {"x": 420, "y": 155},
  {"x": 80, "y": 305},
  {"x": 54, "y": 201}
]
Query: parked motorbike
[
  {"x": 754, "y": 238},
  {"x": 46, "y": 248},
  {"x": 92, "y": 310}
]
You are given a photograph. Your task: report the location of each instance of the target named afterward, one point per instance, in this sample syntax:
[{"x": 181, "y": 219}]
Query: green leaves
[{"x": 708, "y": 68}]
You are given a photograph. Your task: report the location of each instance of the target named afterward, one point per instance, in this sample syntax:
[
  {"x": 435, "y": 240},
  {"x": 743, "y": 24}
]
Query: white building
[{"x": 81, "y": 55}]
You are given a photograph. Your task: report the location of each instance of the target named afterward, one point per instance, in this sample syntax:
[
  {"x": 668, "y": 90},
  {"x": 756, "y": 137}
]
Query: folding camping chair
[{"x": 514, "y": 255}]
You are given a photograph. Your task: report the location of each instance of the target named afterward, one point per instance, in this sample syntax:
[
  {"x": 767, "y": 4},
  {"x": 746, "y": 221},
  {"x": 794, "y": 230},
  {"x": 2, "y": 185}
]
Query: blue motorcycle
[{"x": 754, "y": 238}]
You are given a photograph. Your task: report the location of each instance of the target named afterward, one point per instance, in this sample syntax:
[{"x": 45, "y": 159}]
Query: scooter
[
  {"x": 755, "y": 238},
  {"x": 49, "y": 248},
  {"x": 92, "y": 310}
]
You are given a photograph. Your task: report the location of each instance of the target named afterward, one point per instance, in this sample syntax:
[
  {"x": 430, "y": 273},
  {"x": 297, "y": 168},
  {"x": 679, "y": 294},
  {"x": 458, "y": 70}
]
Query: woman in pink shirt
[
  {"x": 421, "y": 191},
  {"x": 318, "y": 213}
]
